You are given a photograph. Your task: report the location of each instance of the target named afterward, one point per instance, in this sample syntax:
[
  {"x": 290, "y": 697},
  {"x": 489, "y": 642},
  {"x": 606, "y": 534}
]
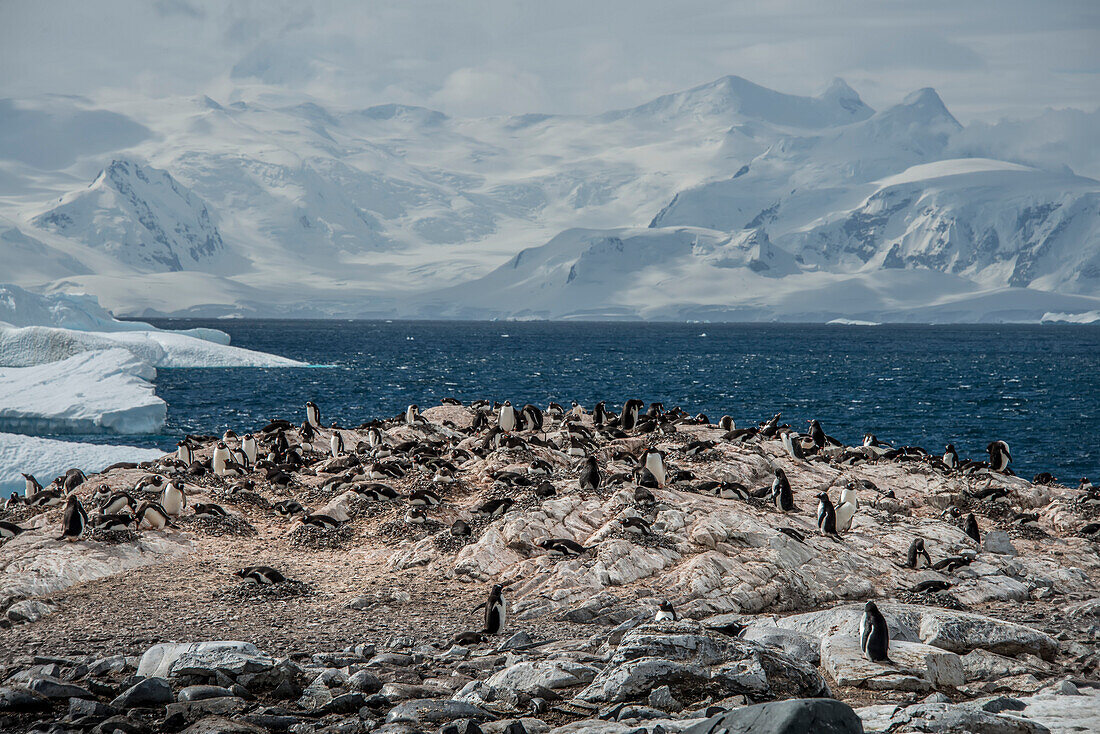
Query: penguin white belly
[
  {"x": 663, "y": 617},
  {"x": 221, "y": 457},
  {"x": 172, "y": 501},
  {"x": 844, "y": 515},
  {"x": 656, "y": 467}
]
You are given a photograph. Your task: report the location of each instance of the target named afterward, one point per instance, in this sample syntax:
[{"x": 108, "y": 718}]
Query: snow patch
[
  {"x": 47, "y": 458},
  {"x": 1088, "y": 317}
]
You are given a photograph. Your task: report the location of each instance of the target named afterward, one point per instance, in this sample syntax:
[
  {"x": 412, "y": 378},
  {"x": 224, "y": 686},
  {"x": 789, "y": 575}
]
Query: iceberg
[
  {"x": 47, "y": 458},
  {"x": 106, "y": 391}
]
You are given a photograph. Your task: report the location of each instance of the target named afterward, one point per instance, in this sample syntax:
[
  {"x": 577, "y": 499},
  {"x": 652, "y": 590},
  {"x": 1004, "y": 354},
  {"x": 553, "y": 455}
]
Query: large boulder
[
  {"x": 912, "y": 666},
  {"x": 793, "y": 716},
  {"x": 531, "y": 676},
  {"x": 203, "y": 658},
  {"x": 434, "y": 711},
  {"x": 947, "y": 718}
]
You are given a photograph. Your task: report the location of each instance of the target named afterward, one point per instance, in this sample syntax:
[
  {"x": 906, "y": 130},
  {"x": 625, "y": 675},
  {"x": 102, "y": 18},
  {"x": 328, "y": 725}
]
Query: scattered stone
[
  {"x": 794, "y": 716},
  {"x": 148, "y": 693}
]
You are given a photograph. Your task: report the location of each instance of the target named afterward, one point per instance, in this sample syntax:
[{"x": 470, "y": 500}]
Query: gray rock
[
  {"x": 796, "y": 644},
  {"x": 149, "y": 693},
  {"x": 516, "y": 641},
  {"x": 365, "y": 681},
  {"x": 222, "y": 725},
  {"x": 29, "y": 610},
  {"x": 199, "y": 693},
  {"x": 178, "y": 714},
  {"x": 53, "y": 688},
  {"x": 912, "y": 667},
  {"x": 18, "y": 700},
  {"x": 82, "y": 707},
  {"x": 662, "y": 698},
  {"x": 997, "y": 541},
  {"x": 1065, "y": 714},
  {"x": 962, "y": 632},
  {"x": 794, "y": 716},
  {"x": 944, "y": 718},
  {"x": 530, "y": 677},
  {"x": 406, "y": 691},
  {"x": 632, "y": 679},
  {"x": 316, "y": 695},
  {"x": 433, "y": 711},
  {"x": 203, "y": 658}
]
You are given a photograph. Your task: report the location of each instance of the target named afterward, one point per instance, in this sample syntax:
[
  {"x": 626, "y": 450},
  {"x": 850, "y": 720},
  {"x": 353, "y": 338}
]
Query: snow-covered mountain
[{"x": 760, "y": 205}]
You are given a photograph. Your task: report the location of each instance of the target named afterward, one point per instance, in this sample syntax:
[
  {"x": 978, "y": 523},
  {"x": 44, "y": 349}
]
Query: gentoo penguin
[
  {"x": 249, "y": 448},
  {"x": 538, "y": 466},
  {"x": 971, "y": 528},
  {"x": 726, "y": 423},
  {"x": 999, "y": 456},
  {"x": 636, "y": 526},
  {"x": 495, "y": 508},
  {"x": 336, "y": 444},
  {"x": 73, "y": 479},
  {"x": 874, "y": 635},
  {"x": 590, "y": 474},
  {"x": 261, "y": 574},
  {"x": 13, "y": 501},
  {"x": 151, "y": 483},
  {"x": 599, "y": 413},
  {"x": 47, "y": 498},
  {"x": 173, "y": 499},
  {"x": 119, "y": 521},
  {"x": 628, "y": 419},
  {"x": 496, "y": 611},
  {"x": 561, "y": 546},
  {"x": 643, "y": 496},
  {"x": 220, "y": 459},
  {"x": 817, "y": 434},
  {"x": 793, "y": 448},
  {"x": 916, "y": 552},
  {"x": 306, "y": 435},
  {"x": 461, "y": 529},
  {"x": 10, "y": 529},
  {"x": 655, "y": 463},
  {"x": 555, "y": 411},
  {"x": 424, "y": 498},
  {"x": 117, "y": 502},
  {"x": 826, "y": 514},
  {"x": 185, "y": 453},
  {"x": 545, "y": 489},
  {"x": 532, "y": 417},
  {"x": 416, "y": 515},
  {"x": 412, "y": 414},
  {"x": 32, "y": 486},
  {"x": 507, "y": 417},
  {"x": 286, "y": 508},
  {"x": 1083, "y": 486},
  {"x": 74, "y": 520},
  {"x": 151, "y": 515},
  {"x": 951, "y": 457},
  {"x": 665, "y": 612},
  {"x": 781, "y": 492},
  {"x": 210, "y": 509},
  {"x": 313, "y": 414},
  {"x": 374, "y": 437},
  {"x": 324, "y": 522},
  {"x": 846, "y": 510}
]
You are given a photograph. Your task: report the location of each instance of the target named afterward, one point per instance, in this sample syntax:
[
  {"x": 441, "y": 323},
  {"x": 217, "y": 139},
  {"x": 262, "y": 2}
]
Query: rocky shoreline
[{"x": 142, "y": 630}]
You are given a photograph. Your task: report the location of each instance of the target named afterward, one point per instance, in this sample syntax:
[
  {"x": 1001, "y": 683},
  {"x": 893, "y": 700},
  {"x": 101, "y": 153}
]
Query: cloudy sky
[{"x": 481, "y": 57}]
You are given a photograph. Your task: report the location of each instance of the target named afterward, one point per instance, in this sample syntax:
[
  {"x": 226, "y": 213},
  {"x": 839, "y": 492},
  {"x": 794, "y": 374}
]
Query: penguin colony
[{"x": 280, "y": 450}]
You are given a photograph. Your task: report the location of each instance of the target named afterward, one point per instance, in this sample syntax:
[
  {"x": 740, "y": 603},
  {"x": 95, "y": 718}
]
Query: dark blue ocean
[{"x": 1037, "y": 387}]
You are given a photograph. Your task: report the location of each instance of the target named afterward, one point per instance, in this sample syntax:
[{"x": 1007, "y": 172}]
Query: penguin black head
[
  {"x": 870, "y": 608},
  {"x": 665, "y": 605},
  {"x": 780, "y": 473}
]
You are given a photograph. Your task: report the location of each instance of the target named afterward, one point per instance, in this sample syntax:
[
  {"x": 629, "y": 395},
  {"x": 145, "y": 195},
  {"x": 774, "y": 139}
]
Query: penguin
[
  {"x": 117, "y": 502},
  {"x": 817, "y": 434},
  {"x": 230, "y": 436},
  {"x": 412, "y": 414},
  {"x": 590, "y": 474},
  {"x": 467, "y": 639},
  {"x": 306, "y": 434},
  {"x": 971, "y": 528},
  {"x": 636, "y": 526},
  {"x": 220, "y": 459},
  {"x": 561, "y": 546},
  {"x": 916, "y": 552},
  {"x": 599, "y": 413},
  {"x": 313, "y": 414},
  {"x": 846, "y": 510},
  {"x": 152, "y": 515},
  {"x": 655, "y": 463},
  {"x": 495, "y": 508},
  {"x": 73, "y": 479},
  {"x": 336, "y": 444},
  {"x": 324, "y": 522},
  {"x": 628, "y": 419},
  {"x": 643, "y": 496},
  {"x": 376, "y": 491},
  {"x": 173, "y": 499},
  {"x": 249, "y": 448},
  {"x": 874, "y": 635},
  {"x": 726, "y": 423},
  {"x": 496, "y": 611},
  {"x": 999, "y": 456},
  {"x": 507, "y": 417},
  {"x": 538, "y": 466},
  {"x": 951, "y": 457},
  {"x": 374, "y": 437},
  {"x": 210, "y": 509},
  {"x": 424, "y": 498},
  {"x": 665, "y": 612},
  {"x": 151, "y": 483},
  {"x": 532, "y": 417},
  {"x": 74, "y": 520},
  {"x": 10, "y": 529},
  {"x": 263, "y": 575},
  {"x": 826, "y": 515},
  {"x": 461, "y": 529},
  {"x": 47, "y": 498},
  {"x": 546, "y": 489},
  {"x": 32, "y": 486},
  {"x": 185, "y": 453},
  {"x": 781, "y": 492},
  {"x": 287, "y": 508},
  {"x": 555, "y": 411},
  {"x": 416, "y": 515},
  {"x": 110, "y": 523},
  {"x": 794, "y": 450}
]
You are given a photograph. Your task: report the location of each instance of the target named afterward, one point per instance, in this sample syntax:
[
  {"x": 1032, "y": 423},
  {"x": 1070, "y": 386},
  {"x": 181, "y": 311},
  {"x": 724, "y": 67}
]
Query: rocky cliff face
[{"x": 377, "y": 624}]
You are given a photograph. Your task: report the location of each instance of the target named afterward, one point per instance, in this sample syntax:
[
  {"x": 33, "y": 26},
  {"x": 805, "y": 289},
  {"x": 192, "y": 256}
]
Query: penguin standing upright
[
  {"x": 726, "y": 423},
  {"x": 336, "y": 444},
  {"x": 628, "y": 420},
  {"x": 781, "y": 492},
  {"x": 826, "y": 514},
  {"x": 32, "y": 486},
  {"x": 248, "y": 448},
  {"x": 599, "y": 413},
  {"x": 74, "y": 520},
  {"x": 412, "y": 414},
  {"x": 971, "y": 528},
  {"x": 507, "y": 417},
  {"x": 185, "y": 453},
  {"x": 794, "y": 448},
  {"x": 999, "y": 456},
  {"x": 220, "y": 460},
  {"x": 590, "y": 474},
  {"x": 532, "y": 417},
  {"x": 173, "y": 499},
  {"x": 916, "y": 552},
  {"x": 874, "y": 635},
  {"x": 846, "y": 510},
  {"x": 496, "y": 611},
  {"x": 653, "y": 461},
  {"x": 951, "y": 457},
  {"x": 313, "y": 414}
]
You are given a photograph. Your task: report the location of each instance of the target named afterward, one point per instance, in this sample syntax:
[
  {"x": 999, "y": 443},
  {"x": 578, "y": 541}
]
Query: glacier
[{"x": 46, "y": 458}]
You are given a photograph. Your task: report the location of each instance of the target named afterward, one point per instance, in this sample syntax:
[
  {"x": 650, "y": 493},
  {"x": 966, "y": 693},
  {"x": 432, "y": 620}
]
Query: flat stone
[
  {"x": 433, "y": 711},
  {"x": 148, "y": 693},
  {"x": 222, "y": 725},
  {"x": 944, "y": 718},
  {"x": 912, "y": 667},
  {"x": 798, "y": 645},
  {"x": 962, "y": 632},
  {"x": 1065, "y": 714},
  {"x": 29, "y": 610},
  {"x": 18, "y": 700},
  {"x": 81, "y": 707},
  {"x": 54, "y": 688},
  {"x": 178, "y": 714},
  {"x": 200, "y": 693},
  {"x": 531, "y": 676},
  {"x": 794, "y": 716},
  {"x": 998, "y": 541},
  {"x": 407, "y": 691},
  {"x": 228, "y": 656}
]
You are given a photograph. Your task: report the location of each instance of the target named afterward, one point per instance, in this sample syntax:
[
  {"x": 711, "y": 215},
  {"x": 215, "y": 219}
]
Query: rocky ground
[{"x": 149, "y": 630}]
